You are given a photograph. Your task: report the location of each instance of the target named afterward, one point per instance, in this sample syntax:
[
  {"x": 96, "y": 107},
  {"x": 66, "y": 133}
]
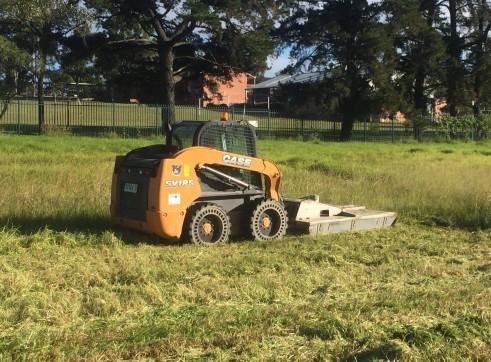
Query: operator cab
[{"x": 229, "y": 136}]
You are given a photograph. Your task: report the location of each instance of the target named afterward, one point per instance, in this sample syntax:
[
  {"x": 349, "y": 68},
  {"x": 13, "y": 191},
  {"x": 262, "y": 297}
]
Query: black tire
[
  {"x": 209, "y": 224},
  {"x": 268, "y": 221}
]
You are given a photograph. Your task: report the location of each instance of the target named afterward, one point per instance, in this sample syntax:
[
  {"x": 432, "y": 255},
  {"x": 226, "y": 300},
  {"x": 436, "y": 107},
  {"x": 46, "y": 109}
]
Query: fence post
[
  {"x": 415, "y": 132},
  {"x": 392, "y": 128},
  {"x": 114, "y": 117},
  {"x": 164, "y": 119},
  {"x": 157, "y": 130},
  {"x": 18, "y": 116},
  {"x": 302, "y": 128},
  {"x": 269, "y": 123},
  {"x": 68, "y": 114},
  {"x": 365, "y": 131}
]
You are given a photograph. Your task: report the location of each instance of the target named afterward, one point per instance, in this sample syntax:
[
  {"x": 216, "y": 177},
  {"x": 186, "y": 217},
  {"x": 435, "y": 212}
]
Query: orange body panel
[{"x": 171, "y": 193}]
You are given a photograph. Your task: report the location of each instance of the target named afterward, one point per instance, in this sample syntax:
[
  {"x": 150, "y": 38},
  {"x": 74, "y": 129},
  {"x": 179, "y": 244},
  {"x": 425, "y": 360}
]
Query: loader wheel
[
  {"x": 268, "y": 221},
  {"x": 209, "y": 224}
]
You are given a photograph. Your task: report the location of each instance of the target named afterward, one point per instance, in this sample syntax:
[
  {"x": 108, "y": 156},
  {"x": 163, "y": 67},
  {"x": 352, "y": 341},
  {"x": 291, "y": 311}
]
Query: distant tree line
[{"x": 377, "y": 56}]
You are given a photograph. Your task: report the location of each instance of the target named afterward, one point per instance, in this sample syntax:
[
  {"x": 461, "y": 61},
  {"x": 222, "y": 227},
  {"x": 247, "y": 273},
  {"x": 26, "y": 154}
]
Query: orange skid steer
[{"x": 207, "y": 184}]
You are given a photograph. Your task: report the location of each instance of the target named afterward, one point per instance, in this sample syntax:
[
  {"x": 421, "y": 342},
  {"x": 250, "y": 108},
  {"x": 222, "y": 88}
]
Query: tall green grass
[
  {"x": 429, "y": 183},
  {"x": 68, "y": 179},
  {"x": 72, "y": 287}
]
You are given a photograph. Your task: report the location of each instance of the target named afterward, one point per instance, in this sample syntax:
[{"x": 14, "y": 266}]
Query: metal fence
[{"x": 134, "y": 120}]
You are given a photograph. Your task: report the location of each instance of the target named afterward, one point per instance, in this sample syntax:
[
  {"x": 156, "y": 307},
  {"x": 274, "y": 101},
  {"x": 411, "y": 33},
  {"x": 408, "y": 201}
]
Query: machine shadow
[{"x": 83, "y": 225}]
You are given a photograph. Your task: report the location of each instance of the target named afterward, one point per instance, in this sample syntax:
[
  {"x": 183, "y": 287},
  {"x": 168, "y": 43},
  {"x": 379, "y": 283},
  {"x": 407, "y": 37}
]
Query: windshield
[{"x": 183, "y": 134}]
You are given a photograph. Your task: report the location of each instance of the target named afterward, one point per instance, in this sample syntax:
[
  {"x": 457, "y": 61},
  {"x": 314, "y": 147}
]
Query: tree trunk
[
  {"x": 422, "y": 71},
  {"x": 348, "y": 119},
  {"x": 166, "y": 58},
  {"x": 477, "y": 86},
  {"x": 40, "y": 97},
  {"x": 43, "y": 50},
  {"x": 347, "y": 127},
  {"x": 454, "y": 66},
  {"x": 419, "y": 90},
  {"x": 4, "y": 107},
  {"x": 8, "y": 92},
  {"x": 349, "y": 101},
  {"x": 479, "y": 54}
]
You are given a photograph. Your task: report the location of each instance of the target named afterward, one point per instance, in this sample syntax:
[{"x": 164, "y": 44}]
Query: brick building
[{"x": 226, "y": 93}]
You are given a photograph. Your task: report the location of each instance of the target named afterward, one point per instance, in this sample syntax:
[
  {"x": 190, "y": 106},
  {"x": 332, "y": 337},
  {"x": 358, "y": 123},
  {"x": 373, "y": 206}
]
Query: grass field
[{"x": 73, "y": 287}]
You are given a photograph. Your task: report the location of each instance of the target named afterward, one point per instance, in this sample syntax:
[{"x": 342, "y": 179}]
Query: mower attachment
[{"x": 310, "y": 216}]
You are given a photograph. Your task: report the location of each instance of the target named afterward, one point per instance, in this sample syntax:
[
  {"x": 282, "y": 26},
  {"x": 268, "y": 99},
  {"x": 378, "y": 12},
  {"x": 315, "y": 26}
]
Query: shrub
[{"x": 465, "y": 127}]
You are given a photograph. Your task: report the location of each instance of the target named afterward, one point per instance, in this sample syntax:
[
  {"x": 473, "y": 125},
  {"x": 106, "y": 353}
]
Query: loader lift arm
[{"x": 210, "y": 157}]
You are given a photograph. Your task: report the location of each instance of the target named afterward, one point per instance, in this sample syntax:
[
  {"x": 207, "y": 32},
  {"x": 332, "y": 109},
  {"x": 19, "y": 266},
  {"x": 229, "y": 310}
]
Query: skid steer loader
[{"x": 206, "y": 183}]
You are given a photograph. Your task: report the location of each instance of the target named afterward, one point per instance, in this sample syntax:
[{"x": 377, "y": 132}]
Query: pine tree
[
  {"x": 421, "y": 51},
  {"x": 348, "y": 40}
]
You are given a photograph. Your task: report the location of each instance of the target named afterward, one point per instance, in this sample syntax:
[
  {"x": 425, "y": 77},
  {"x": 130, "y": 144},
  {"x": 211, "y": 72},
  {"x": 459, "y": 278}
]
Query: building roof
[{"x": 285, "y": 78}]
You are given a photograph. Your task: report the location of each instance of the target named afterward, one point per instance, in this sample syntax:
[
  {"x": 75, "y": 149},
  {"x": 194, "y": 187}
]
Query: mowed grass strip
[{"x": 72, "y": 287}]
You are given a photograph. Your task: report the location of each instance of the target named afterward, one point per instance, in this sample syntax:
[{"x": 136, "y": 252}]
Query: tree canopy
[
  {"x": 40, "y": 26},
  {"x": 13, "y": 68},
  {"x": 178, "y": 37},
  {"x": 377, "y": 56},
  {"x": 393, "y": 55}
]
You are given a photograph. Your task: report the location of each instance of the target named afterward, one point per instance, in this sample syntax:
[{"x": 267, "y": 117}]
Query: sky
[{"x": 277, "y": 64}]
